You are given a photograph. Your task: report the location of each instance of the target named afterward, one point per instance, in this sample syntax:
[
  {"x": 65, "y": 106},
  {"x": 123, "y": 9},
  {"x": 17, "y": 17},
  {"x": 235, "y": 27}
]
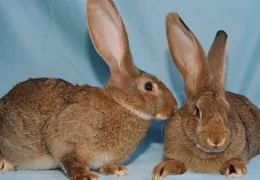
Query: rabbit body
[
  {"x": 244, "y": 125},
  {"x": 48, "y": 123},
  {"x": 47, "y": 118},
  {"x": 215, "y": 130}
]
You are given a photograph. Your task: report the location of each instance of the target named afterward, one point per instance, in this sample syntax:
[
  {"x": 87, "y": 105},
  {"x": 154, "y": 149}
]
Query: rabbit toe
[
  {"x": 114, "y": 170},
  {"x": 6, "y": 166},
  {"x": 234, "y": 168},
  {"x": 169, "y": 167},
  {"x": 85, "y": 176}
]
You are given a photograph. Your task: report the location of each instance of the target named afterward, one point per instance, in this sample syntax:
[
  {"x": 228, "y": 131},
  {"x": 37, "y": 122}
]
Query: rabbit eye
[
  {"x": 197, "y": 112},
  {"x": 148, "y": 86}
]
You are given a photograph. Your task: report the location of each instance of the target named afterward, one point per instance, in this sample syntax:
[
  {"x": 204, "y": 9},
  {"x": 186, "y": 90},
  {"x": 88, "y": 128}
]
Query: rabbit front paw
[
  {"x": 85, "y": 176},
  {"x": 233, "y": 168},
  {"x": 113, "y": 169},
  {"x": 168, "y": 167},
  {"x": 5, "y": 166}
]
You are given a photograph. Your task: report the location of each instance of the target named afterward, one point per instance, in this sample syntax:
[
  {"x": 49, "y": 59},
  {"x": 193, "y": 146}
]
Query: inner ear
[{"x": 105, "y": 28}]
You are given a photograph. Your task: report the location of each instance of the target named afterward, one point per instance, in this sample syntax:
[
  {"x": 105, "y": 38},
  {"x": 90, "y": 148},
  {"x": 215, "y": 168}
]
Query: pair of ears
[
  {"x": 199, "y": 72},
  {"x": 110, "y": 39}
]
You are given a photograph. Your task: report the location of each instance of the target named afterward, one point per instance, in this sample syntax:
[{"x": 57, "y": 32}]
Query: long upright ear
[
  {"x": 110, "y": 39},
  {"x": 187, "y": 54},
  {"x": 217, "y": 59}
]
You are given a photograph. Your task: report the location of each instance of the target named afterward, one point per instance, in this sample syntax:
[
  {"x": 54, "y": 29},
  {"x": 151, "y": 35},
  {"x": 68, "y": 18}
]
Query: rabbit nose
[{"x": 216, "y": 142}]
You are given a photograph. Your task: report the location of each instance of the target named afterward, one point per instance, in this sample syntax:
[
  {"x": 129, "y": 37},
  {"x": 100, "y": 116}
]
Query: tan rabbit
[
  {"x": 48, "y": 123},
  {"x": 215, "y": 130}
]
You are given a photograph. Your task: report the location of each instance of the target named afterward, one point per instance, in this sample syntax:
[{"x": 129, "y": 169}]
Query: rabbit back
[{"x": 249, "y": 115}]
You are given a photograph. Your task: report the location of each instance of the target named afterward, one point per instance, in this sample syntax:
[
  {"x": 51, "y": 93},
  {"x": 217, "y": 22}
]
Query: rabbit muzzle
[
  {"x": 167, "y": 110},
  {"x": 213, "y": 140}
]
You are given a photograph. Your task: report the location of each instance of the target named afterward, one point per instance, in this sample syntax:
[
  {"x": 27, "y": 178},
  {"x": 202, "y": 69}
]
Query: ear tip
[
  {"x": 172, "y": 15},
  {"x": 222, "y": 33},
  {"x": 101, "y": 2},
  {"x": 174, "y": 18},
  {"x": 89, "y": 4},
  {"x": 93, "y": 5},
  {"x": 90, "y": 1}
]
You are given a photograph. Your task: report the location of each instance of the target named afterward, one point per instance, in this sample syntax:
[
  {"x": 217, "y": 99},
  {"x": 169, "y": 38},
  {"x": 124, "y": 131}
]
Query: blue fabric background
[{"x": 50, "y": 38}]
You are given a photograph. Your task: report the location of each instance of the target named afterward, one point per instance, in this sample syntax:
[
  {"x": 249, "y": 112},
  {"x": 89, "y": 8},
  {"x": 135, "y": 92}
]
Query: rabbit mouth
[{"x": 210, "y": 151}]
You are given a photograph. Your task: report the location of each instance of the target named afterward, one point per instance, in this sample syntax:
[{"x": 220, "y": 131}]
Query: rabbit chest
[{"x": 118, "y": 143}]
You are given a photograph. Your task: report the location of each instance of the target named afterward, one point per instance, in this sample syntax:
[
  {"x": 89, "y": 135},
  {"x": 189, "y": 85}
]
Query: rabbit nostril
[{"x": 216, "y": 142}]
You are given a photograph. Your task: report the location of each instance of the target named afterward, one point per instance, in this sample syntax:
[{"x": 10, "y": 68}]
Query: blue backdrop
[{"x": 50, "y": 38}]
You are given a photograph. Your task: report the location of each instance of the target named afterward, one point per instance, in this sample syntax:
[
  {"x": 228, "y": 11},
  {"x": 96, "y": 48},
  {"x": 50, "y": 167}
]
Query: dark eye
[
  {"x": 148, "y": 86},
  {"x": 197, "y": 112}
]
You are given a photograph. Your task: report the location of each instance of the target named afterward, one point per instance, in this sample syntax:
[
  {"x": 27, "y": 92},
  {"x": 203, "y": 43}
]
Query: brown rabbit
[
  {"x": 215, "y": 130},
  {"x": 48, "y": 123}
]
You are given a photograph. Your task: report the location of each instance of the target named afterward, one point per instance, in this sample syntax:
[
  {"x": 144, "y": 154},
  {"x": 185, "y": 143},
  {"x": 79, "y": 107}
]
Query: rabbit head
[
  {"x": 139, "y": 92},
  {"x": 206, "y": 109}
]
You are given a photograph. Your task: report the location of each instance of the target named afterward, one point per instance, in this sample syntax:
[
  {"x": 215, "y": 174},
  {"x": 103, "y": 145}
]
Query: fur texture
[
  {"x": 48, "y": 123},
  {"x": 215, "y": 130}
]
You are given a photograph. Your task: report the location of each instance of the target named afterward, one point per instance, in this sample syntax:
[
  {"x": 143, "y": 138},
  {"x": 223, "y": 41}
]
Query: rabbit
[
  {"x": 215, "y": 131},
  {"x": 49, "y": 123}
]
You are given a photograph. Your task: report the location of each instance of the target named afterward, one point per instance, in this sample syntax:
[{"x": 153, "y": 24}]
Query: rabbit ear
[
  {"x": 217, "y": 59},
  {"x": 187, "y": 54},
  {"x": 110, "y": 39}
]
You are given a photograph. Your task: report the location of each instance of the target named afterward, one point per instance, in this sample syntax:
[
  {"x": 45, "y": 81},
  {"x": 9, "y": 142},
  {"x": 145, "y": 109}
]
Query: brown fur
[
  {"x": 48, "y": 123},
  {"x": 223, "y": 133}
]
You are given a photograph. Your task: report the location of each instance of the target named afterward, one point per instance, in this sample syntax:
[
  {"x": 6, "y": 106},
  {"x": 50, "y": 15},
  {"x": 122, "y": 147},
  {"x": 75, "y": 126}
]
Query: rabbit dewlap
[
  {"x": 215, "y": 130},
  {"x": 48, "y": 123}
]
